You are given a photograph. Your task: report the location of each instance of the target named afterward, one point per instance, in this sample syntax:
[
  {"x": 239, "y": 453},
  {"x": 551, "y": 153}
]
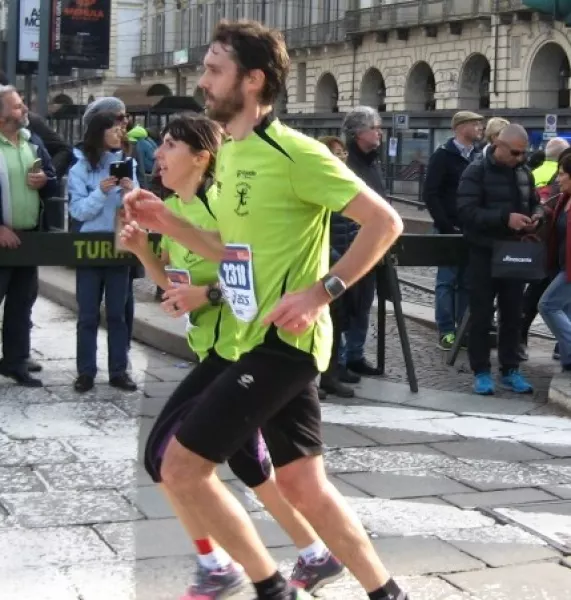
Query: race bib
[
  {"x": 180, "y": 277},
  {"x": 236, "y": 276}
]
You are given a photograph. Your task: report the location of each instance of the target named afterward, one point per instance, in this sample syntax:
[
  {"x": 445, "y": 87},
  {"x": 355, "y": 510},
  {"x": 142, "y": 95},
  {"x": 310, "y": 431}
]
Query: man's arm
[
  {"x": 380, "y": 227},
  {"x": 207, "y": 244},
  {"x": 432, "y": 193},
  {"x": 60, "y": 152}
]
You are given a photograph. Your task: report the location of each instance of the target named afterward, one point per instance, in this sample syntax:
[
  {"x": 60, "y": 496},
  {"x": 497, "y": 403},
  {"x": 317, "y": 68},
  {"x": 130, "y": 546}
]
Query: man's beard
[{"x": 226, "y": 109}]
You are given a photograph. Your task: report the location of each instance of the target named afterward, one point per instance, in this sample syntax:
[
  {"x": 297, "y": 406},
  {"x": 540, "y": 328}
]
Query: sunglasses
[
  {"x": 120, "y": 118},
  {"x": 514, "y": 153}
]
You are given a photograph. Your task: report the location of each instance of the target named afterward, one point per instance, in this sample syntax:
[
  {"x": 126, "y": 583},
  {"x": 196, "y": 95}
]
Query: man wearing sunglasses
[{"x": 497, "y": 201}]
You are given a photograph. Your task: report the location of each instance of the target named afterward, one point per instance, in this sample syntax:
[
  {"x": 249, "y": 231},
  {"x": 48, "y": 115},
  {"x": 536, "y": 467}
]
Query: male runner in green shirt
[{"x": 276, "y": 190}]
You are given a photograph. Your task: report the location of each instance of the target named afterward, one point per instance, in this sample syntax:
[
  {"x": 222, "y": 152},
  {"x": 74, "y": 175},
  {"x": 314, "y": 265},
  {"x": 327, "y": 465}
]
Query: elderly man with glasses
[{"x": 497, "y": 201}]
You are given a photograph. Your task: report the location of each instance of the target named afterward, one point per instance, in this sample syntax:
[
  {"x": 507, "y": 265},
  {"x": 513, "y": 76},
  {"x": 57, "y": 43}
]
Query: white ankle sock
[
  {"x": 217, "y": 560},
  {"x": 316, "y": 551}
]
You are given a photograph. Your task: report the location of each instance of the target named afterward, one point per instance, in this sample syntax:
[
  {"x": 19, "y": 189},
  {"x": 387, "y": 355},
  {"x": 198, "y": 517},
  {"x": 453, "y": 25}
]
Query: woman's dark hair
[
  {"x": 564, "y": 155},
  {"x": 199, "y": 133},
  {"x": 565, "y": 163},
  {"x": 93, "y": 145}
]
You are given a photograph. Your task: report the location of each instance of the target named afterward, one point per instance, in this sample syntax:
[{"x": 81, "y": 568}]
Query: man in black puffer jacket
[
  {"x": 362, "y": 130},
  {"x": 497, "y": 201}
]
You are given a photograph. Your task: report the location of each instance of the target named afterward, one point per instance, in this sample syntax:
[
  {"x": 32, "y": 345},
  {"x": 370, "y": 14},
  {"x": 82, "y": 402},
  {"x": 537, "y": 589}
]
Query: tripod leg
[
  {"x": 381, "y": 317},
  {"x": 455, "y": 350},
  {"x": 394, "y": 290}
]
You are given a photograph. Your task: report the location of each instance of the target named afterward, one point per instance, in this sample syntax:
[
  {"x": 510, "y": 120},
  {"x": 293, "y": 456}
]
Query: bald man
[{"x": 497, "y": 201}]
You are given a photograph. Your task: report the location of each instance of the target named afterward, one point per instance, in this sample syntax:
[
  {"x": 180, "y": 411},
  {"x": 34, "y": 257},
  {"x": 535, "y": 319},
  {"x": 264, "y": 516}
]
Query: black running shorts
[
  {"x": 271, "y": 388},
  {"x": 251, "y": 463}
]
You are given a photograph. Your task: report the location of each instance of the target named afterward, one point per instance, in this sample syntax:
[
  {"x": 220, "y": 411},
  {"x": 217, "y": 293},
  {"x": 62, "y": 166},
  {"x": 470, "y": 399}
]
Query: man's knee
[
  {"x": 303, "y": 481},
  {"x": 181, "y": 468}
]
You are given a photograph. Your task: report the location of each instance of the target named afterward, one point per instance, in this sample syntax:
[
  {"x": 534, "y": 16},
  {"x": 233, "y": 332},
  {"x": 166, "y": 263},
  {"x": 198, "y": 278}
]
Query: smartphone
[
  {"x": 121, "y": 169},
  {"x": 36, "y": 166}
]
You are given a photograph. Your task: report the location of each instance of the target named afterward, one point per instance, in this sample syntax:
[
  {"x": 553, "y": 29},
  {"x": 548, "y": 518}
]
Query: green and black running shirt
[{"x": 276, "y": 190}]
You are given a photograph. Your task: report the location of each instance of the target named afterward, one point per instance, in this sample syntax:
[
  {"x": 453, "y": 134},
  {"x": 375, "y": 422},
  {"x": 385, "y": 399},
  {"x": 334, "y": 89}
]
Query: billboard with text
[{"x": 80, "y": 32}]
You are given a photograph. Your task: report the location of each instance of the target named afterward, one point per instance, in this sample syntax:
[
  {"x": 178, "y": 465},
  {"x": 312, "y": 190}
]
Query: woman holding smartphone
[
  {"x": 96, "y": 193},
  {"x": 185, "y": 160}
]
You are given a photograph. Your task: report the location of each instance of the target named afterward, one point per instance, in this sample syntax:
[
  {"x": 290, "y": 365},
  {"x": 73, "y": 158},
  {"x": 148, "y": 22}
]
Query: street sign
[
  {"x": 547, "y": 135},
  {"x": 550, "y": 124},
  {"x": 401, "y": 122}
]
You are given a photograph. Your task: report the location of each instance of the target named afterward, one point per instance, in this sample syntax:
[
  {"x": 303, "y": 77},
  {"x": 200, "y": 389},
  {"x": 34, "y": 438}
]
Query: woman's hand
[
  {"x": 181, "y": 299},
  {"x": 126, "y": 184},
  {"x": 134, "y": 239},
  {"x": 107, "y": 184}
]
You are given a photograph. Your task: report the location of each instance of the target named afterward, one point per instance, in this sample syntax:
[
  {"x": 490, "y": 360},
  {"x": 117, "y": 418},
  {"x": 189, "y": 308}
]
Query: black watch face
[{"x": 215, "y": 295}]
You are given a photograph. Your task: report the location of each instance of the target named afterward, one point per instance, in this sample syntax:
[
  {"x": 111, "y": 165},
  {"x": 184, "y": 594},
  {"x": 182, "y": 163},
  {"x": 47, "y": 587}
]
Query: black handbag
[{"x": 525, "y": 259}]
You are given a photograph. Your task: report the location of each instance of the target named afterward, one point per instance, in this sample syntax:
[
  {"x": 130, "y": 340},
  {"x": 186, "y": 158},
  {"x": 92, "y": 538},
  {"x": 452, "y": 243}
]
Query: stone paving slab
[
  {"x": 499, "y": 498},
  {"x": 34, "y": 452},
  {"x": 63, "y": 546},
  {"x": 551, "y": 521},
  {"x": 500, "y": 545},
  {"x": 112, "y": 448},
  {"x": 491, "y": 450},
  {"x": 37, "y": 509},
  {"x": 391, "y": 485},
  {"x": 19, "y": 479},
  {"x": 486, "y": 475},
  {"x": 392, "y": 518},
  {"x": 90, "y": 475},
  {"x": 416, "y": 555},
  {"x": 523, "y": 582}
]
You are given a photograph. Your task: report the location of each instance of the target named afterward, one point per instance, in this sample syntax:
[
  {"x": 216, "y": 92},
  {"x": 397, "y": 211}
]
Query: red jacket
[{"x": 553, "y": 238}]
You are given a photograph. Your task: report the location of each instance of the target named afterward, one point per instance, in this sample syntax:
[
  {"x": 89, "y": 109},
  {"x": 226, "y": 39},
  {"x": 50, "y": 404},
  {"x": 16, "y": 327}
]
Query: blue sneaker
[
  {"x": 484, "y": 384},
  {"x": 516, "y": 382}
]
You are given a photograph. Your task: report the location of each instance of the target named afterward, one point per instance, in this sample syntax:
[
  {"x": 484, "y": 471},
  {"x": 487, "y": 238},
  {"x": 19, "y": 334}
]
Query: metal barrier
[{"x": 98, "y": 249}]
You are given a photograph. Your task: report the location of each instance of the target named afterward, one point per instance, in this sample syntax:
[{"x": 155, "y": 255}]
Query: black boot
[{"x": 331, "y": 384}]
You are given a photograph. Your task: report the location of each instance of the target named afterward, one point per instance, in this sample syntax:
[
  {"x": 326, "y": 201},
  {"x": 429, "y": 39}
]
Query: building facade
[{"x": 413, "y": 55}]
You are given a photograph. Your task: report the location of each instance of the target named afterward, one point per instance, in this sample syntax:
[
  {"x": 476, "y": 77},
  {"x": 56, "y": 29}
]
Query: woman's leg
[
  {"x": 117, "y": 282},
  {"x": 89, "y": 292},
  {"x": 555, "y": 308}
]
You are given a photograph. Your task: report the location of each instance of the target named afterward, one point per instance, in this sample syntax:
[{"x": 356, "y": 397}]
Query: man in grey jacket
[{"x": 362, "y": 131}]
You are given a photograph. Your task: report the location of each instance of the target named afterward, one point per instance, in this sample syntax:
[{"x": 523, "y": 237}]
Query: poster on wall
[
  {"x": 29, "y": 31},
  {"x": 80, "y": 32}
]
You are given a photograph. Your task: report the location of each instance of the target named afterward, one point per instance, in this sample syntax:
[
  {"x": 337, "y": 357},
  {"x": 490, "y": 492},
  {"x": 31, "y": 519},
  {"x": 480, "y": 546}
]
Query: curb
[{"x": 560, "y": 391}]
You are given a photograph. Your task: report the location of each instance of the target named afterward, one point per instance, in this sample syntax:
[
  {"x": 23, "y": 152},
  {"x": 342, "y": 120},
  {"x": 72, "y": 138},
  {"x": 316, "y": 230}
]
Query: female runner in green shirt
[{"x": 185, "y": 160}]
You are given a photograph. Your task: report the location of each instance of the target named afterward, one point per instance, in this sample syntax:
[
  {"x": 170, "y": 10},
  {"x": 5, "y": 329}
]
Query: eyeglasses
[{"x": 120, "y": 118}]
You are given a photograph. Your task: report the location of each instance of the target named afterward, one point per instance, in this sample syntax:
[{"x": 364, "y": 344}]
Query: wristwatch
[
  {"x": 214, "y": 295},
  {"x": 334, "y": 286}
]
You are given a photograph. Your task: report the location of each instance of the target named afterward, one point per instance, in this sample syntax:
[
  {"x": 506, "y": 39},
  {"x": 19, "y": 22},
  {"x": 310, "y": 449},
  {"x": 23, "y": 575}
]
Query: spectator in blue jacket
[
  {"x": 27, "y": 177},
  {"x": 95, "y": 198}
]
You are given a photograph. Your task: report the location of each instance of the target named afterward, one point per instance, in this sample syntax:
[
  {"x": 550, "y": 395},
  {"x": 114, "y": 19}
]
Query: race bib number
[{"x": 236, "y": 276}]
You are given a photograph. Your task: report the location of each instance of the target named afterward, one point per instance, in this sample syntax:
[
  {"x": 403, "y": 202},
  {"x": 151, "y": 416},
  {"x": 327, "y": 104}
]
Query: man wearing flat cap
[{"x": 443, "y": 173}]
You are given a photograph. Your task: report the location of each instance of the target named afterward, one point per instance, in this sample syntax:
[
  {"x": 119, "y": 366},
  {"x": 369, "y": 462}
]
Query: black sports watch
[
  {"x": 334, "y": 286},
  {"x": 214, "y": 295}
]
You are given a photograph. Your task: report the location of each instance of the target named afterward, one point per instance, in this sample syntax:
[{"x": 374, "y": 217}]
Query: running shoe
[
  {"x": 215, "y": 585},
  {"x": 315, "y": 574},
  {"x": 446, "y": 342}
]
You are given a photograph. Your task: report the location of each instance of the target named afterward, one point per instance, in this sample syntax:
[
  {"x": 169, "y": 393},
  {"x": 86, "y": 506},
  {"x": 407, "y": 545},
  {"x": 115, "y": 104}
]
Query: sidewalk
[{"x": 465, "y": 498}]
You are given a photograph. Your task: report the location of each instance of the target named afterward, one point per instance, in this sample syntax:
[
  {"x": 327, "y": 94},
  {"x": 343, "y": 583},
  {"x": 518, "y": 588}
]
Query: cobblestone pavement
[{"x": 465, "y": 498}]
